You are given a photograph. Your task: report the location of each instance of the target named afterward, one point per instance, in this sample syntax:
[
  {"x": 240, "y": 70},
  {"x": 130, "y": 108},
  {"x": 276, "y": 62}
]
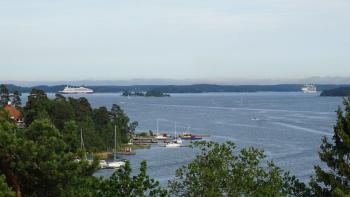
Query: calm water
[{"x": 288, "y": 126}]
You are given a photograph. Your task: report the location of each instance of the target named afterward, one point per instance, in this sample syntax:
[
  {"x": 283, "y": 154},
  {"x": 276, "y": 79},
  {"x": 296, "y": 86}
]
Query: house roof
[{"x": 14, "y": 113}]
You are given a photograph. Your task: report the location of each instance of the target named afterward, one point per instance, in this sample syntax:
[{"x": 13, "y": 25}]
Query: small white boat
[
  {"x": 103, "y": 164},
  {"x": 115, "y": 164},
  {"x": 158, "y": 135},
  {"x": 176, "y": 142},
  {"x": 161, "y": 137},
  {"x": 172, "y": 145}
]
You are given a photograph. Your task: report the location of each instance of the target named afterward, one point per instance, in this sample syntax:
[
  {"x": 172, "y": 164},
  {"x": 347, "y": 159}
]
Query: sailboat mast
[
  {"x": 81, "y": 139},
  {"x": 82, "y": 144},
  {"x": 157, "y": 127},
  {"x": 115, "y": 141},
  {"x": 175, "y": 131}
]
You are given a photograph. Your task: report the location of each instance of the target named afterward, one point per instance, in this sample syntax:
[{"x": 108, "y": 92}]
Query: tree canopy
[
  {"x": 122, "y": 183},
  {"x": 4, "y": 95},
  {"x": 97, "y": 124},
  {"x": 334, "y": 180},
  {"x": 219, "y": 170}
]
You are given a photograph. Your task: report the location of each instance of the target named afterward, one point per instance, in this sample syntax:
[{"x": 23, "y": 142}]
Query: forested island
[
  {"x": 342, "y": 91},
  {"x": 150, "y": 93},
  {"x": 41, "y": 155}
]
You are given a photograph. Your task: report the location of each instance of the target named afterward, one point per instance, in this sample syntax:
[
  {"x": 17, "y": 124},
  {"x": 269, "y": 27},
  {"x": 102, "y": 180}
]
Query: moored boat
[
  {"x": 103, "y": 164},
  {"x": 115, "y": 164},
  {"x": 172, "y": 145},
  {"x": 161, "y": 137},
  {"x": 189, "y": 136},
  {"x": 177, "y": 142}
]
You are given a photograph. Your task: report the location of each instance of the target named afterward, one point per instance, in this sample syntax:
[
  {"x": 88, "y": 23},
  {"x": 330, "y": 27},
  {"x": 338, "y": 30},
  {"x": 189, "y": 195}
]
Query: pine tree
[
  {"x": 4, "y": 95},
  {"x": 334, "y": 180},
  {"x": 16, "y": 98}
]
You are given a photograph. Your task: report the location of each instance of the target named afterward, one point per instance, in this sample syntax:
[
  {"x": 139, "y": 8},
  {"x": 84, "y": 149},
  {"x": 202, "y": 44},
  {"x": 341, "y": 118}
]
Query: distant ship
[
  {"x": 72, "y": 90},
  {"x": 309, "y": 88}
]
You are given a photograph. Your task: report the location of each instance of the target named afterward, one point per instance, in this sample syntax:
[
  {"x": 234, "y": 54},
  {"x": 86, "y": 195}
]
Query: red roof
[{"x": 14, "y": 113}]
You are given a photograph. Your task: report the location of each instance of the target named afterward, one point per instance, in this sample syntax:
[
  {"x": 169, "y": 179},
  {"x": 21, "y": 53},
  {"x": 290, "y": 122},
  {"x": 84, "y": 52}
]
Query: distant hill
[
  {"x": 198, "y": 88},
  {"x": 341, "y": 91}
]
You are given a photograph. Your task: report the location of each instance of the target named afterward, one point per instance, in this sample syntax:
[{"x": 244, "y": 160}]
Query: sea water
[{"x": 288, "y": 126}]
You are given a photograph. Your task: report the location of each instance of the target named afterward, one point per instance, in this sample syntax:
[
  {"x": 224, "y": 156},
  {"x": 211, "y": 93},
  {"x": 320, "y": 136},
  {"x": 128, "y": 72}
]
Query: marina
[{"x": 288, "y": 126}]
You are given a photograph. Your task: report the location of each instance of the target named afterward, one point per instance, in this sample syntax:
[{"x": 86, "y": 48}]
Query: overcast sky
[{"x": 173, "y": 39}]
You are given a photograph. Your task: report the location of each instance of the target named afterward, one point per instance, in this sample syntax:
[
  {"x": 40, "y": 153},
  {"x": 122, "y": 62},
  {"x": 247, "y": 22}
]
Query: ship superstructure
[
  {"x": 76, "y": 90},
  {"x": 309, "y": 88}
]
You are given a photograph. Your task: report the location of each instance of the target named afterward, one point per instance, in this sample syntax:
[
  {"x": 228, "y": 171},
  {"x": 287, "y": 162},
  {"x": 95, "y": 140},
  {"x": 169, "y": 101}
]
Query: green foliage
[
  {"x": 123, "y": 184},
  {"x": 4, "y": 95},
  {"x": 101, "y": 116},
  {"x": 97, "y": 124},
  {"x": 16, "y": 99},
  {"x": 70, "y": 135},
  {"x": 5, "y": 190},
  {"x": 335, "y": 180},
  {"x": 36, "y": 107},
  {"x": 61, "y": 112},
  {"x": 340, "y": 91},
  {"x": 36, "y": 163},
  {"x": 218, "y": 171},
  {"x": 82, "y": 109},
  {"x": 121, "y": 120}
]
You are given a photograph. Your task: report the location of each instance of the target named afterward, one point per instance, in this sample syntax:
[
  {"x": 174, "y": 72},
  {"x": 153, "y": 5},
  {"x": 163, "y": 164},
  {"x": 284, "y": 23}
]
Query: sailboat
[
  {"x": 159, "y": 136},
  {"x": 176, "y": 142},
  {"x": 82, "y": 148},
  {"x": 190, "y": 136},
  {"x": 115, "y": 164}
]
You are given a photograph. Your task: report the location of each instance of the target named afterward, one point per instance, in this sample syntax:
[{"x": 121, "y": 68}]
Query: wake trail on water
[
  {"x": 302, "y": 128},
  {"x": 238, "y": 108}
]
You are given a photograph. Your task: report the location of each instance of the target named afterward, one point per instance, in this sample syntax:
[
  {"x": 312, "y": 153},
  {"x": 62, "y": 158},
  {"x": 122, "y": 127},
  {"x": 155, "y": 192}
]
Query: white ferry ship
[
  {"x": 79, "y": 90},
  {"x": 309, "y": 88}
]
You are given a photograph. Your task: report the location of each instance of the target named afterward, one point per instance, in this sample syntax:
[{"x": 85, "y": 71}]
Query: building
[{"x": 15, "y": 114}]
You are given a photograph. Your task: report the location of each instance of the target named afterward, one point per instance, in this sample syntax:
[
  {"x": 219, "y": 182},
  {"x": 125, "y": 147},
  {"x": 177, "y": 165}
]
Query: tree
[
  {"x": 5, "y": 190},
  {"x": 101, "y": 116},
  {"x": 60, "y": 97},
  {"x": 335, "y": 179},
  {"x": 71, "y": 136},
  {"x": 37, "y": 106},
  {"x": 122, "y": 184},
  {"x": 8, "y": 146},
  {"x": 16, "y": 99},
  {"x": 121, "y": 121},
  {"x": 4, "y": 95},
  {"x": 82, "y": 109},
  {"x": 60, "y": 112},
  {"x": 218, "y": 171},
  {"x": 36, "y": 162},
  {"x": 132, "y": 128}
]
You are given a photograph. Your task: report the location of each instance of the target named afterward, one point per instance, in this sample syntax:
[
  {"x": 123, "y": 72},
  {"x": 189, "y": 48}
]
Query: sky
[{"x": 173, "y": 39}]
